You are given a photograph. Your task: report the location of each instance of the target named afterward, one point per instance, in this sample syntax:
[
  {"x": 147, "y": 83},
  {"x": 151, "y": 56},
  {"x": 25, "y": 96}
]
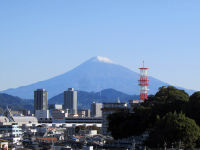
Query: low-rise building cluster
[{"x": 58, "y": 126}]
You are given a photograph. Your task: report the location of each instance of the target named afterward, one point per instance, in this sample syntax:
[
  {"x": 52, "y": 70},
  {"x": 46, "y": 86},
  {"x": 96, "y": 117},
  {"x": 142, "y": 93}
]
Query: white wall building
[
  {"x": 42, "y": 114},
  {"x": 58, "y": 116},
  {"x": 55, "y": 106},
  {"x": 13, "y": 130},
  {"x": 3, "y": 144},
  {"x": 96, "y": 109},
  {"x": 20, "y": 120}
]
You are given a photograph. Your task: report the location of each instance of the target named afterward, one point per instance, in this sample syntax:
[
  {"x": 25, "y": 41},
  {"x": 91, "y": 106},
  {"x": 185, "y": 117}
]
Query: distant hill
[
  {"x": 96, "y": 74},
  {"x": 86, "y": 98},
  {"x": 15, "y": 103}
]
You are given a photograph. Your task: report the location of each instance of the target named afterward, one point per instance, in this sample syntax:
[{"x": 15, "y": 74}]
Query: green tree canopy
[
  {"x": 170, "y": 94},
  {"x": 193, "y": 107},
  {"x": 167, "y": 99},
  {"x": 116, "y": 122},
  {"x": 173, "y": 128},
  {"x": 195, "y": 97}
]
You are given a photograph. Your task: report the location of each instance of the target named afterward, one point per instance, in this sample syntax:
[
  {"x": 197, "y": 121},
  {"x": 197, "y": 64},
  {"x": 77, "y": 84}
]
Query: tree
[
  {"x": 124, "y": 124},
  {"x": 173, "y": 128},
  {"x": 170, "y": 94},
  {"x": 167, "y": 99},
  {"x": 193, "y": 107},
  {"x": 116, "y": 122}
]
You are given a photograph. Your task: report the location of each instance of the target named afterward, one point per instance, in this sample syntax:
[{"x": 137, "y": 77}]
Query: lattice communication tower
[{"x": 143, "y": 83}]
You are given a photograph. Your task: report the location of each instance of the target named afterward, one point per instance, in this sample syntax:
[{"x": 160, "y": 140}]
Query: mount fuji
[{"x": 96, "y": 74}]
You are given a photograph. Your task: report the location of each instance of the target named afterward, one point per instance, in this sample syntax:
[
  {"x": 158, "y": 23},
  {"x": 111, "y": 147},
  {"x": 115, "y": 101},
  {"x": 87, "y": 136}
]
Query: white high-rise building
[{"x": 96, "y": 109}]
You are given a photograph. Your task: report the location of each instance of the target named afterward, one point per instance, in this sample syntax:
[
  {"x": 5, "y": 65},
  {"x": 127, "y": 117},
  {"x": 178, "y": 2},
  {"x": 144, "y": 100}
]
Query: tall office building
[
  {"x": 70, "y": 100},
  {"x": 40, "y": 100},
  {"x": 96, "y": 109}
]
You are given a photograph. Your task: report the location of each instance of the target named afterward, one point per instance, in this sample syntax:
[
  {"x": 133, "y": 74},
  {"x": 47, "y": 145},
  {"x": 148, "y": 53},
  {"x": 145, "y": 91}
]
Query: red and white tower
[{"x": 143, "y": 83}]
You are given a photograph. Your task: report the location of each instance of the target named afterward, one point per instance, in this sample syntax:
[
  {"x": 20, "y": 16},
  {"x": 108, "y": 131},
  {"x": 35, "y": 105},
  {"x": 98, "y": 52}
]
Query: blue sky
[{"x": 42, "y": 39}]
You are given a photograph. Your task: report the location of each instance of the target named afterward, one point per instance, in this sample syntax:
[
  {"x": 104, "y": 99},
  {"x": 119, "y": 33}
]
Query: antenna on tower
[{"x": 143, "y": 63}]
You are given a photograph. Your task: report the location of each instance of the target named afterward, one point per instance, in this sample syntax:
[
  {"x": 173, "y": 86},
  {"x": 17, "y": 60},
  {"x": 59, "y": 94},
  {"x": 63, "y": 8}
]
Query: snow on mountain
[{"x": 103, "y": 59}]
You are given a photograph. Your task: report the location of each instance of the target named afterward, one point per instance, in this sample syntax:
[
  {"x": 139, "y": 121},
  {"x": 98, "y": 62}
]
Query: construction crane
[{"x": 7, "y": 113}]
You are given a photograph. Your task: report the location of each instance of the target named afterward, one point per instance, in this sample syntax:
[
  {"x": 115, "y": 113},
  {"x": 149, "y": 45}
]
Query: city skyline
[{"x": 38, "y": 42}]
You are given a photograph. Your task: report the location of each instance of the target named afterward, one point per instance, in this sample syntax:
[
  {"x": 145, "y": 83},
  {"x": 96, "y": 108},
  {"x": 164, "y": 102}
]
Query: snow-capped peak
[{"x": 103, "y": 59}]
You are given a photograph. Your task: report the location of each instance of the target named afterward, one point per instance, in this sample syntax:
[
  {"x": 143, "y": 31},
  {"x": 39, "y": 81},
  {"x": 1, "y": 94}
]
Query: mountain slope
[
  {"x": 93, "y": 75},
  {"x": 15, "y": 103},
  {"x": 86, "y": 98}
]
